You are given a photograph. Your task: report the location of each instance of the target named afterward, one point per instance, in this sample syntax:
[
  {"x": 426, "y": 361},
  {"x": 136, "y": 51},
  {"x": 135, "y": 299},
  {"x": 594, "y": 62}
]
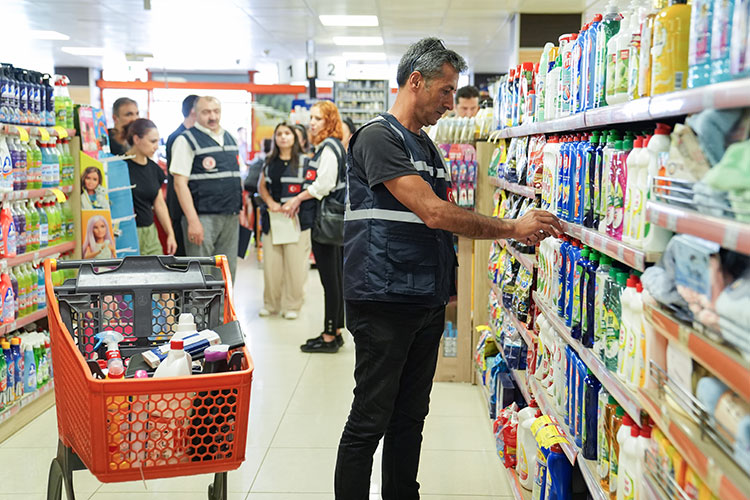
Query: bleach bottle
[
  {"x": 562, "y": 285},
  {"x": 723, "y": 14},
  {"x": 589, "y": 437},
  {"x": 29, "y": 369},
  {"x": 574, "y": 254},
  {"x": 576, "y": 70},
  {"x": 15, "y": 347},
  {"x": 559, "y": 475}
]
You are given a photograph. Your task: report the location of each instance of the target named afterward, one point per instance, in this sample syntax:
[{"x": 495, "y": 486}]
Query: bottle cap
[
  {"x": 622, "y": 278},
  {"x": 216, "y": 353},
  {"x": 626, "y": 420},
  {"x": 141, "y": 374},
  {"x": 15, "y": 341},
  {"x": 646, "y": 431},
  {"x": 185, "y": 323},
  {"x": 613, "y": 272},
  {"x": 597, "y": 18},
  {"x": 662, "y": 129},
  {"x": 176, "y": 345},
  {"x": 620, "y": 412},
  {"x": 611, "y": 400},
  {"x": 556, "y": 448},
  {"x": 635, "y": 431}
]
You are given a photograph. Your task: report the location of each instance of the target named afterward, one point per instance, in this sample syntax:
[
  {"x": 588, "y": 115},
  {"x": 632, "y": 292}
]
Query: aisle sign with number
[
  {"x": 332, "y": 68},
  {"x": 292, "y": 70}
]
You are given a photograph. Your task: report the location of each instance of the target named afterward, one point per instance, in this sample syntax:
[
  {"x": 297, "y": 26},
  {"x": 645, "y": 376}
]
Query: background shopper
[
  {"x": 467, "y": 101},
  {"x": 124, "y": 112},
  {"x": 173, "y": 204},
  {"x": 330, "y": 163},
  {"x": 302, "y": 135},
  {"x": 148, "y": 179},
  {"x": 285, "y": 267},
  {"x": 400, "y": 271},
  {"x": 207, "y": 182},
  {"x": 348, "y": 130}
]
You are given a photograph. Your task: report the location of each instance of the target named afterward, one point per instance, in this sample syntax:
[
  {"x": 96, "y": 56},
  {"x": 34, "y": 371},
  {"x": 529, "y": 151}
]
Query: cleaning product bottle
[
  {"x": 622, "y": 62},
  {"x": 605, "y": 409},
  {"x": 574, "y": 254},
  {"x": 552, "y": 94},
  {"x": 43, "y": 225},
  {"x": 588, "y": 316},
  {"x": 4, "y": 401},
  {"x": 604, "y": 194},
  {"x": 669, "y": 64},
  {"x": 608, "y": 28},
  {"x": 29, "y": 370},
  {"x": 699, "y": 54},
  {"x": 612, "y": 185},
  {"x": 601, "y": 293},
  {"x": 570, "y": 377},
  {"x": 588, "y": 179},
  {"x": 539, "y": 488},
  {"x": 624, "y": 364},
  {"x": 582, "y": 178},
  {"x": 563, "y": 198},
  {"x": 10, "y": 373},
  {"x": 562, "y": 285},
  {"x": 620, "y": 186},
  {"x": 577, "y": 295},
  {"x": 580, "y": 390},
  {"x": 588, "y": 73},
  {"x": 640, "y": 361},
  {"x": 177, "y": 363},
  {"x": 549, "y": 164},
  {"x": 640, "y": 195},
  {"x": 627, "y": 469},
  {"x": 9, "y": 232},
  {"x": 566, "y": 49},
  {"x": 115, "y": 366},
  {"x": 18, "y": 223},
  {"x": 655, "y": 238},
  {"x": 589, "y": 438},
  {"x": 633, "y": 167},
  {"x": 739, "y": 61},
  {"x": 613, "y": 311},
  {"x": 18, "y": 361},
  {"x": 597, "y": 178},
  {"x": 6, "y": 289},
  {"x": 620, "y": 427},
  {"x": 723, "y": 15},
  {"x": 559, "y": 475},
  {"x": 576, "y": 87},
  {"x": 634, "y": 48},
  {"x": 526, "y": 449},
  {"x": 541, "y": 82}
]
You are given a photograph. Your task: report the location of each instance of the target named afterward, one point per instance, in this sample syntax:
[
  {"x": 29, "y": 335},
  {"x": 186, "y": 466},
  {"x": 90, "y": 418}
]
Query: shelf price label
[
  {"x": 43, "y": 134},
  {"x": 23, "y": 133},
  {"x": 61, "y": 132},
  {"x": 59, "y": 195}
]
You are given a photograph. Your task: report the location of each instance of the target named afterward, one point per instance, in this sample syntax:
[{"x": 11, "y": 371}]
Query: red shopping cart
[{"x": 131, "y": 429}]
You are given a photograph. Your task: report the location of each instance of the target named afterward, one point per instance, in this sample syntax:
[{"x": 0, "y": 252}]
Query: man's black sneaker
[
  {"x": 319, "y": 338},
  {"x": 321, "y": 345}
]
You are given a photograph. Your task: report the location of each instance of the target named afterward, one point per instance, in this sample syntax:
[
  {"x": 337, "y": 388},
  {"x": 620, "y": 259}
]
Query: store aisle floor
[{"x": 299, "y": 404}]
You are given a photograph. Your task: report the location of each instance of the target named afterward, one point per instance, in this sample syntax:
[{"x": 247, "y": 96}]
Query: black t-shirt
[
  {"x": 115, "y": 147},
  {"x": 173, "y": 204},
  {"x": 275, "y": 171},
  {"x": 170, "y": 142},
  {"x": 148, "y": 179},
  {"x": 380, "y": 156}
]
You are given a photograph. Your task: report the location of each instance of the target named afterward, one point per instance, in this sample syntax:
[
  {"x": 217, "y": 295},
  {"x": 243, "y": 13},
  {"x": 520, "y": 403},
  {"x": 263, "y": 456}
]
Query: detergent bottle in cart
[
  {"x": 178, "y": 363},
  {"x": 669, "y": 63}
]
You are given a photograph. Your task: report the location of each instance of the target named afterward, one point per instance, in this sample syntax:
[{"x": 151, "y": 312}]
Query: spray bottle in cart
[{"x": 115, "y": 366}]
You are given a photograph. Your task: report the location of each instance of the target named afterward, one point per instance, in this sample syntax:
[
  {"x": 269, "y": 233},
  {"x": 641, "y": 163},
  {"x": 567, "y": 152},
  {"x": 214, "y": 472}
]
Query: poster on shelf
[
  {"x": 93, "y": 184},
  {"x": 121, "y": 205},
  {"x": 98, "y": 240},
  {"x": 92, "y": 128}
]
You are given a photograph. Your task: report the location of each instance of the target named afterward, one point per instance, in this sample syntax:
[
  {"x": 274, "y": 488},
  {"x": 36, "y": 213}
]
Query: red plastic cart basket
[{"x": 131, "y": 429}]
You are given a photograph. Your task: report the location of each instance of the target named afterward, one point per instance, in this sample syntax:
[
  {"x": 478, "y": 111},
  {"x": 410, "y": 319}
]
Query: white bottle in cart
[
  {"x": 655, "y": 238},
  {"x": 628, "y": 466},
  {"x": 631, "y": 196},
  {"x": 185, "y": 326},
  {"x": 178, "y": 363}
]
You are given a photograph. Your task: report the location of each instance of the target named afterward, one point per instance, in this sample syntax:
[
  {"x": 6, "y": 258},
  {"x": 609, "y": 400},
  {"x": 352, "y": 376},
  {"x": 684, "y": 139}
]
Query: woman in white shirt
[{"x": 330, "y": 180}]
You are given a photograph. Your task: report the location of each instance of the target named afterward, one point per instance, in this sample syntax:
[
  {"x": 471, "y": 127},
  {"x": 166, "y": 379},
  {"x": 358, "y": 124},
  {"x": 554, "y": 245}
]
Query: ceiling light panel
[
  {"x": 364, "y": 56},
  {"x": 84, "y": 51},
  {"x": 48, "y": 35},
  {"x": 343, "y": 20},
  {"x": 358, "y": 40}
]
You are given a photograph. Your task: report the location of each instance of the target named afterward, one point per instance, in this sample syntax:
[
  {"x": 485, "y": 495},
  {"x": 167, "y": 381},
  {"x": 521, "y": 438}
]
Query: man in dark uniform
[
  {"x": 173, "y": 204},
  {"x": 399, "y": 270}
]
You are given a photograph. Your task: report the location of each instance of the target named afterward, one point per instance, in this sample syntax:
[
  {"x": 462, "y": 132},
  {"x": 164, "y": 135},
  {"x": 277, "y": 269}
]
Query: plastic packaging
[
  {"x": 618, "y": 422},
  {"x": 723, "y": 15},
  {"x": 629, "y": 480},
  {"x": 177, "y": 363},
  {"x": 669, "y": 64},
  {"x": 699, "y": 56},
  {"x": 591, "y": 396},
  {"x": 193, "y": 344},
  {"x": 216, "y": 359},
  {"x": 559, "y": 475}
]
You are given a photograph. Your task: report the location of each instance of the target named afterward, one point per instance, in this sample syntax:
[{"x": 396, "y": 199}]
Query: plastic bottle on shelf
[
  {"x": 61, "y": 99},
  {"x": 41, "y": 291},
  {"x": 16, "y": 292},
  {"x": 608, "y": 28},
  {"x": 577, "y": 295},
  {"x": 620, "y": 428},
  {"x": 574, "y": 254},
  {"x": 655, "y": 238},
  {"x": 6, "y": 166},
  {"x": 566, "y": 75},
  {"x": 9, "y": 232},
  {"x": 612, "y": 184},
  {"x": 634, "y": 48},
  {"x": 608, "y": 153},
  {"x": 606, "y": 406},
  {"x": 613, "y": 305},
  {"x": 34, "y": 284},
  {"x": 580, "y": 390},
  {"x": 540, "y": 83},
  {"x": 597, "y": 179},
  {"x": 589, "y": 437},
  {"x": 563, "y": 281},
  {"x": 576, "y": 71},
  {"x": 631, "y": 191},
  {"x": 19, "y": 222},
  {"x": 554, "y": 270},
  {"x": 739, "y": 61},
  {"x": 588, "y": 73},
  {"x": 628, "y": 479},
  {"x": 69, "y": 221},
  {"x": 622, "y": 57},
  {"x": 588, "y": 322},
  {"x": 582, "y": 178},
  {"x": 54, "y": 169},
  {"x": 43, "y": 225},
  {"x": 699, "y": 53},
  {"x": 571, "y": 374},
  {"x": 24, "y": 291},
  {"x": 32, "y": 218},
  {"x": 526, "y": 449},
  {"x": 619, "y": 186},
  {"x": 35, "y": 169},
  {"x": 549, "y": 173},
  {"x": 647, "y": 42},
  {"x": 18, "y": 164},
  {"x": 6, "y": 289},
  {"x": 29, "y": 371},
  {"x": 590, "y": 157},
  {"x": 640, "y": 361},
  {"x": 723, "y": 15},
  {"x": 627, "y": 330},
  {"x": 563, "y": 182},
  {"x": 552, "y": 93},
  {"x": 614, "y": 62},
  {"x": 10, "y": 373},
  {"x": 669, "y": 64},
  {"x": 559, "y": 474}
]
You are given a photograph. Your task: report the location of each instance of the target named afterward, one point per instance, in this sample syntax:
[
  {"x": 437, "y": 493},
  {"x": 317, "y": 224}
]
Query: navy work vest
[
  {"x": 390, "y": 255},
  {"x": 294, "y": 180},
  {"x": 339, "y": 190},
  {"x": 214, "y": 179}
]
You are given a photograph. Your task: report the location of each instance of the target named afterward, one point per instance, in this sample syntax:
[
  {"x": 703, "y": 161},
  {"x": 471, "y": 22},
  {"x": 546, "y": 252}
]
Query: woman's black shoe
[
  {"x": 321, "y": 345},
  {"x": 319, "y": 338}
]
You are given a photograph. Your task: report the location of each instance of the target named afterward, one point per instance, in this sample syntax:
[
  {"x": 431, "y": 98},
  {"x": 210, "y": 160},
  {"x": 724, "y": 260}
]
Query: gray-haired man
[
  {"x": 208, "y": 186},
  {"x": 399, "y": 271}
]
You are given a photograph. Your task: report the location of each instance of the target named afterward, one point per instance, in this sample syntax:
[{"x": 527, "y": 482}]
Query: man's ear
[{"x": 416, "y": 80}]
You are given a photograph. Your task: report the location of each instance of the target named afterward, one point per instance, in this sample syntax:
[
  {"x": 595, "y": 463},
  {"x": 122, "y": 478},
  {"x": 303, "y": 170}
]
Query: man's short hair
[
  {"x": 205, "y": 98},
  {"x": 428, "y": 57},
  {"x": 467, "y": 92},
  {"x": 120, "y": 102},
  {"x": 187, "y": 104}
]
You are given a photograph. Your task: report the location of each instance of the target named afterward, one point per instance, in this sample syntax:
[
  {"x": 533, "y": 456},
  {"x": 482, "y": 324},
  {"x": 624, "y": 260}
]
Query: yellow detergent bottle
[{"x": 671, "y": 43}]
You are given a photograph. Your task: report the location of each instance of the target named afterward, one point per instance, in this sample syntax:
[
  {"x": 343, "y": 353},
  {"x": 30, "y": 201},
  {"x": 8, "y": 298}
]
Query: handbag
[{"x": 328, "y": 228}]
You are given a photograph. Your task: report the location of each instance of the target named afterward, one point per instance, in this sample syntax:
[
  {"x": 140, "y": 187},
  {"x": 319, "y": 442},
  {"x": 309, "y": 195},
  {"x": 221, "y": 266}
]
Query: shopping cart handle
[{"x": 165, "y": 259}]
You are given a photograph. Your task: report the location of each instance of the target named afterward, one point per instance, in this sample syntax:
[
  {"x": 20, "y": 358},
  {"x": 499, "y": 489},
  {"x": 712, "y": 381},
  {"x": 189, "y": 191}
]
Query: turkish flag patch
[
  {"x": 295, "y": 188},
  {"x": 449, "y": 195},
  {"x": 311, "y": 175}
]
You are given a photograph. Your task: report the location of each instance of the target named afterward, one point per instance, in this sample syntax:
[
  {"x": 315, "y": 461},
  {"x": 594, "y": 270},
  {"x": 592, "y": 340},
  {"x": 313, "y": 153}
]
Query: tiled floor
[{"x": 298, "y": 407}]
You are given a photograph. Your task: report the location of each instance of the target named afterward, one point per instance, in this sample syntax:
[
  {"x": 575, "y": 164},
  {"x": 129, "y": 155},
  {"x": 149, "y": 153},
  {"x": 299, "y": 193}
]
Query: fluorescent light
[
  {"x": 358, "y": 40},
  {"x": 84, "y": 51},
  {"x": 365, "y": 56},
  {"x": 48, "y": 35},
  {"x": 349, "y": 20}
]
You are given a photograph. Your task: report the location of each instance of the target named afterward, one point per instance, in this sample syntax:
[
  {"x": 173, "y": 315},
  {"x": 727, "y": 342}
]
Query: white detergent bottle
[
  {"x": 628, "y": 468},
  {"x": 527, "y": 447},
  {"x": 639, "y": 195},
  {"x": 626, "y": 354},
  {"x": 622, "y": 64},
  {"x": 639, "y": 360},
  {"x": 178, "y": 363},
  {"x": 655, "y": 238},
  {"x": 613, "y": 60},
  {"x": 630, "y": 192},
  {"x": 185, "y": 326}
]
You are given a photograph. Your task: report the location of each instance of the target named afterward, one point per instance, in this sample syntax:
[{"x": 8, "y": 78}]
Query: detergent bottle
[
  {"x": 721, "y": 38},
  {"x": 588, "y": 73},
  {"x": 699, "y": 54},
  {"x": 576, "y": 94},
  {"x": 541, "y": 81},
  {"x": 669, "y": 63},
  {"x": 609, "y": 27},
  {"x": 622, "y": 57},
  {"x": 635, "y": 49}
]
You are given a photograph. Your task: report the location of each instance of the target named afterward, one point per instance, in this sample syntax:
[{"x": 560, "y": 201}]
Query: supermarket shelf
[
  {"x": 730, "y": 367},
  {"x": 21, "y": 322},
  {"x": 591, "y": 477},
  {"x": 724, "y": 95},
  {"x": 519, "y": 493},
  {"x": 33, "y": 130},
  {"x": 32, "y": 193},
  {"x": 519, "y": 376},
  {"x": 729, "y": 233},
  {"x": 529, "y": 336},
  {"x": 548, "y": 409},
  {"x": 44, "y": 397},
  {"x": 526, "y": 260},
  {"x": 480, "y": 383},
  {"x": 720, "y": 473},
  {"x": 39, "y": 254},
  {"x": 352, "y": 89},
  {"x": 526, "y": 191},
  {"x": 609, "y": 380},
  {"x": 616, "y": 249},
  {"x": 357, "y": 99}
]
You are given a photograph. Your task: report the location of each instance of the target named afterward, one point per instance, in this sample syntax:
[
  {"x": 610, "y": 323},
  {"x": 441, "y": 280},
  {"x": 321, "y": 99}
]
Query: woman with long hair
[
  {"x": 148, "y": 179},
  {"x": 285, "y": 266},
  {"x": 330, "y": 164},
  {"x": 99, "y": 243},
  {"x": 93, "y": 194}
]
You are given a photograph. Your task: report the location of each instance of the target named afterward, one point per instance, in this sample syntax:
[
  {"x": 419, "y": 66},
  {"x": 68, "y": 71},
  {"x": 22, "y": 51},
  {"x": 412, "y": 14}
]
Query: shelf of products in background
[{"x": 361, "y": 100}]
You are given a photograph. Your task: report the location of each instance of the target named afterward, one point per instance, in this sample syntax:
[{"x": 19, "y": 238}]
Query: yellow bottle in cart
[{"x": 670, "y": 50}]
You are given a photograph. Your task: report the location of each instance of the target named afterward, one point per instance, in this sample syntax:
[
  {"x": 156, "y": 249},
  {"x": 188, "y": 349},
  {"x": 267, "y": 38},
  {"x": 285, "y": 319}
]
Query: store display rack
[
  {"x": 624, "y": 396},
  {"x": 519, "y": 377},
  {"x": 525, "y": 191},
  {"x": 720, "y": 473},
  {"x": 32, "y": 193},
  {"x": 729, "y": 233},
  {"x": 724, "y": 95},
  {"x": 33, "y": 130},
  {"x": 355, "y": 99},
  {"x": 529, "y": 336},
  {"x": 627, "y": 254},
  {"x": 726, "y": 364},
  {"x": 7, "y": 328},
  {"x": 526, "y": 260},
  {"x": 39, "y": 254},
  {"x": 25, "y": 401}
]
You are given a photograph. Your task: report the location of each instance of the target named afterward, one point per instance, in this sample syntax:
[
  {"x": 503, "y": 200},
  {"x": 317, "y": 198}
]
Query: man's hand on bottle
[{"x": 536, "y": 225}]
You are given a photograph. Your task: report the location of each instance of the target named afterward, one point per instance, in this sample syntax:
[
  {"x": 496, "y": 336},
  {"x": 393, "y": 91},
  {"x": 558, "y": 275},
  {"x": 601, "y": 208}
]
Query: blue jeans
[{"x": 396, "y": 355}]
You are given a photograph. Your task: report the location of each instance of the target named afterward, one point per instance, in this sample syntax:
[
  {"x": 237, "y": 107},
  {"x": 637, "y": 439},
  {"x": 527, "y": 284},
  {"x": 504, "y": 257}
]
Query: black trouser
[
  {"x": 175, "y": 214},
  {"x": 396, "y": 355},
  {"x": 330, "y": 262}
]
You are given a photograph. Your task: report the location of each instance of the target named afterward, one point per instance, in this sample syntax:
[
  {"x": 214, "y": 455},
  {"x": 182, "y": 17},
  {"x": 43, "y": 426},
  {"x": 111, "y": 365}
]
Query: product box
[{"x": 698, "y": 276}]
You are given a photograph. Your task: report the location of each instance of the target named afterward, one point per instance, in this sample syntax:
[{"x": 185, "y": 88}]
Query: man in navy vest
[
  {"x": 208, "y": 185},
  {"x": 399, "y": 270}
]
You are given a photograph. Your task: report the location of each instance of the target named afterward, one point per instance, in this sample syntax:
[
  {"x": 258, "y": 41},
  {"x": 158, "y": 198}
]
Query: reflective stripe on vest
[
  {"x": 419, "y": 166},
  {"x": 217, "y": 175},
  {"x": 381, "y": 214},
  {"x": 211, "y": 149}
]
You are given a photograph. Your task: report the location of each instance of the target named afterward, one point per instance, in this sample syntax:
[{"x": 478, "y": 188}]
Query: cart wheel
[
  {"x": 55, "y": 481},
  {"x": 218, "y": 490}
]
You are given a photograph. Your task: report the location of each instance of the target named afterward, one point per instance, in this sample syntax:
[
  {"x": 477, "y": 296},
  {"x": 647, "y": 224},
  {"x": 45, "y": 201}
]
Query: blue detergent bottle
[
  {"x": 699, "y": 54},
  {"x": 573, "y": 181},
  {"x": 721, "y": 40},
  {"x": 597, "y": 178},
  {"x": 581, "y": 376},
  {"x": 588, "y": 313},
  {"x": 583, "y": 178},
  {"x": 578, "y": 274},
  {"x": 558, "y": 482},
  {"x": 589, "y": 63},
  {"x": 591, "y": 388},
  {"x": 572, "y": 372},
  {"x": 29, "y": 369},
  {"x": 15, "y": 347},
  {"x": 564, "y": 180},
  {"x": 568, "y": 364},
  {"x": 10, "y": 389},
  {"x": 574, "y": 254},
  {"x": 562, "y": 284},
  {"x": 539, "y": 488}
]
